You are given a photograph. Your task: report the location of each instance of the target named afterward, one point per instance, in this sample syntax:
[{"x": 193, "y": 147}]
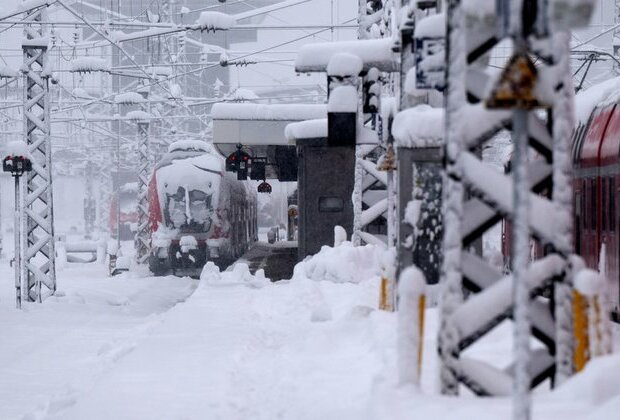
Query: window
[
  {"x": 612, "y": 204},
  {"x": 331, "y": 204},
  {"x": 604, "y": 204},
  {"x": 593, "y": 204}
]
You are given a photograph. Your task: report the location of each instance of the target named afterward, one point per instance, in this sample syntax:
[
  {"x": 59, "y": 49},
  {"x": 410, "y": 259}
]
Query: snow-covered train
[{"x": 198, "y": 212}]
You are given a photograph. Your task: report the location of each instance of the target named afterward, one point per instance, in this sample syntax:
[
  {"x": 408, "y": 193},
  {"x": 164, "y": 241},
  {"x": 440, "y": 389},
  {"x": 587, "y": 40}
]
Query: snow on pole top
[
  {"x": 138, "y": 115},
  {"x": 433, "y": 26},
  {"x": 419, "y": 126},
  {"x": 288, "y": 112},
  {"x": 344, "y": 64},
  {"x": 343, "y": 99},
  {"x": 373, "y": 53},
  {"x": 189, "y": 146},
  {"x": 6, "y": 71},
  {"x": 309, "y": 129},
  {"x": 89, "y": 64},
  {"x": 129, "y": 98},
  {"x": 17, "y": 148},
  {"x": 212, "y": 21},
  {"x": 589, "y": 282}
]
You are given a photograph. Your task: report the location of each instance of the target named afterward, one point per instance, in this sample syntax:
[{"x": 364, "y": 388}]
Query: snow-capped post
[
  {"x": 387, "y": 297},
  {"x": 142, "y": 118},
  {"x": 38, "y": 266},
  {"x": 411, "y": 304},
  {"x": 451, "y": 273},
  {"x": 17, "y": 162}
]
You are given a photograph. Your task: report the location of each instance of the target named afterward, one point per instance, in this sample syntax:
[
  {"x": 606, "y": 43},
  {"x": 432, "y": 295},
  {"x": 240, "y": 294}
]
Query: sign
[{"x": 515, "y": 88}]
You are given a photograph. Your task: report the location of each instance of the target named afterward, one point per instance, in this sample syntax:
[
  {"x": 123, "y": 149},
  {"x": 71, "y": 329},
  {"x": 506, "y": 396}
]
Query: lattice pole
[
  {"x": 38, "y": 260},
  {"x": 141, "y": 242}
]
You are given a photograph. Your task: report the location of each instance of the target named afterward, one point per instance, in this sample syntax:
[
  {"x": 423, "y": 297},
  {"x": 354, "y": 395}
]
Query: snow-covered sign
[
  {"x": 373, "y": 53},
  {"x": 212, "y": 21},
  {"x": 89, "y": 64},
  {"x": 344, "y": 64},
  {"x": 7, "y": 72},
  {"x": 430, "y": 49},
  {"x": 343, "y": 99},
  {"x": 309, "y": 129}
]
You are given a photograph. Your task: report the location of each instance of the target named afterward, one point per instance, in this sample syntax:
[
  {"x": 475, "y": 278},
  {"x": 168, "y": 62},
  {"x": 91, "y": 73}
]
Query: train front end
[{"x": 188, "y": 224}]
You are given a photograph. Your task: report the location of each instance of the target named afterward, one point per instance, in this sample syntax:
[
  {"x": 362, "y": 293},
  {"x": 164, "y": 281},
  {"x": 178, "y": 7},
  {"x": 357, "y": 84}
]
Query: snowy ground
[{"x": 234, "y": 346}]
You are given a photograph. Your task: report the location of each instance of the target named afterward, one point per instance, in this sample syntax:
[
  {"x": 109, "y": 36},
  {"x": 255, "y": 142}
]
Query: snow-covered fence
[{"x": 411, "y": 304}]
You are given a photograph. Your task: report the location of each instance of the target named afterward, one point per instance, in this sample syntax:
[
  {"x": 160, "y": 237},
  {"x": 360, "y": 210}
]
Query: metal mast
[{"x": 37, "y": 216}]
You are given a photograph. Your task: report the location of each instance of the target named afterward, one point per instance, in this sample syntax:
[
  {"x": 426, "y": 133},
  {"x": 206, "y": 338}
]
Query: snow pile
[
  {"x": 138, "y": 115},
  {"x": 239, "y": 275},
  {"x": 344, "y": 64},
  {"x": 89, "y": 64},
  {"x": 129, "y": 98},
  {"x": 6, "y": 71},
  {"x": 343, "y": 99},
  {"x": 212, "y": 21},
  {"x": 189, "y": 146},
  {"x": 345, "y": 263},
  {"x": 419, "y": 126}
]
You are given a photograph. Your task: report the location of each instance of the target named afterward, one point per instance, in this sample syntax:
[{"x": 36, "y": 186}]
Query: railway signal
[
  {"x": 239, "y": 162},
  {"x": 17, "y": 165}
]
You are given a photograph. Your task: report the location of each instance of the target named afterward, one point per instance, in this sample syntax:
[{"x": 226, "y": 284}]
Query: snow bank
[
  {"x": 419, "y": 126},
  {"x": 345, "y": 263},
  {"x": 239, "y": 275},
  {"x": 89, "y": 64},
  {"x": 212, "y": 21}
]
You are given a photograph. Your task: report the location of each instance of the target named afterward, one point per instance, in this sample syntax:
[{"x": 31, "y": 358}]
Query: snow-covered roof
[
  {"x": 309, "y": 129},
  {"x": 373, "y": 53},
  {"x": 600, "y": 94},
  {"x": 279, "y": 112},
  {"x": 190, "y": 146},
  {"x": 316, "y": 129},
  {"x": 419, "y": 126}
]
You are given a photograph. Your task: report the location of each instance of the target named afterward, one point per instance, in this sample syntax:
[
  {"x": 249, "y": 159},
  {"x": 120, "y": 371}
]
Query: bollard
[
  {"x": 580, "y": 331},
  {"x": 387, "y": 301},
  {"x": 411, "y": 304}
]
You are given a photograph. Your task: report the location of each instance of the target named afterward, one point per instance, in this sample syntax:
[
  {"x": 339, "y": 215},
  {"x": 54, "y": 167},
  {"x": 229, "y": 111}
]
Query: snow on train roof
[
  {"x": 603, "y": 93},
  {"x": 288, "y": 112},
  {"x": 191, "y": 170},
  {"x": 190, "y": 146}
]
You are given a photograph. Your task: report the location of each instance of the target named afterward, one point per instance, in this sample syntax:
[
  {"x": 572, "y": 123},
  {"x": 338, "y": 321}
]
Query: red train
[
  {"x": 198, "y": 212},
  {"x": 596, "y": 161},
  {"x": 596, "y": 208}
]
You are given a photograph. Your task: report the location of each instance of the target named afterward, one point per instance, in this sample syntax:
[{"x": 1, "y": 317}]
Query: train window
[
  {"x": 604, "y": 204},
  {"x": 583, "y": 204},
  {"x": 612, "y": 204},
  {"x": 593, "y": 204},
  {"x": 331, "y": 204}
]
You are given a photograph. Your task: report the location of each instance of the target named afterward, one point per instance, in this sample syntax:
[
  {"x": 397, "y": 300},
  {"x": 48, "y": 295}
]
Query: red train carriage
[{"x": 198, "y": 212}]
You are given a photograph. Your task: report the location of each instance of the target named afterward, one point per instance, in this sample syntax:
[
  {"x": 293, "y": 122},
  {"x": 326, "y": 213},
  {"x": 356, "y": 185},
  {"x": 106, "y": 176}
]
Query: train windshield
[{"x": 189, "y": 210}]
